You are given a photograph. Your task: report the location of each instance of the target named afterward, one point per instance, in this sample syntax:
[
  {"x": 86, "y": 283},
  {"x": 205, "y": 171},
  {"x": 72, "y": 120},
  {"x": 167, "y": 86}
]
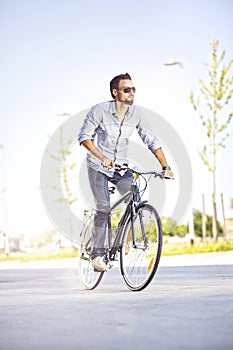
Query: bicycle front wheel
[
  {"x": 88, "y": 277},
  {"x": 141, "y": 247}
]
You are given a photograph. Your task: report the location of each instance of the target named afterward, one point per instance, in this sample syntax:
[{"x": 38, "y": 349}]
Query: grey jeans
[{"x": 99, "y": 186}]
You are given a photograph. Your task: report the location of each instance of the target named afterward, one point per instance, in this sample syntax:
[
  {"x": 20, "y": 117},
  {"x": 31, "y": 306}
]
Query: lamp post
[
  {"x": 169, "y": 63},
  {"x": 6, "y": 237}
]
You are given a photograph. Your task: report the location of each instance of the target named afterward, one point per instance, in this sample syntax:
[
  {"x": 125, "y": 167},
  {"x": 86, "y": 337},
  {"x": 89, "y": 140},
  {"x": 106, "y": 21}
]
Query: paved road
[{"x": 189, "y": 307}]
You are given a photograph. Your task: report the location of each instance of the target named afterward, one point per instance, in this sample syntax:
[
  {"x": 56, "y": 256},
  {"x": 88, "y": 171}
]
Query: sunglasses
[{"x": 126, "y": 90}]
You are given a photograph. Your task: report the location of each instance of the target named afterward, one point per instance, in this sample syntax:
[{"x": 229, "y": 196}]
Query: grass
[
  {"x": 168, "y": 249},
  {"x": 39, "y": 255},
  {"x": 198, "y": 247}
]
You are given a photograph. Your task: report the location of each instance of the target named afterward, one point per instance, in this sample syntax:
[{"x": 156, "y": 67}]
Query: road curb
[{"x": 216, "y": 258}]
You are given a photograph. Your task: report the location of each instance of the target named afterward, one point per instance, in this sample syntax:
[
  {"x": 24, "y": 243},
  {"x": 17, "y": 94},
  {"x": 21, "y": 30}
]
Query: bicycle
[{"x": 138, "y": 238}]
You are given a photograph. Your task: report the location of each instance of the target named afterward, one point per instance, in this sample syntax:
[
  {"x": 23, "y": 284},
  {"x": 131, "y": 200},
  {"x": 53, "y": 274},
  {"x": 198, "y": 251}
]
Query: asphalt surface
[{"x": 43, "y": 306}]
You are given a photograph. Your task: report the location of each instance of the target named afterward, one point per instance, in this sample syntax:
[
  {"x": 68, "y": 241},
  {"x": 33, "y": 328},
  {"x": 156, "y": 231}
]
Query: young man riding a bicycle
[{"x": 110, "y": 125}]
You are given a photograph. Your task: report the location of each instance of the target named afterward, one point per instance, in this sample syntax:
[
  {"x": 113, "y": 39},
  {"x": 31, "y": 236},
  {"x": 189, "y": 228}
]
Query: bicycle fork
[{"x": 132, "y": 216}]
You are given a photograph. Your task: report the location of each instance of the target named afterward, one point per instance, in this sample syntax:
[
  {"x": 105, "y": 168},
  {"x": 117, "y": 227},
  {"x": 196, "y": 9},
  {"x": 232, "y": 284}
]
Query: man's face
[{"x": 125, "y": 92}]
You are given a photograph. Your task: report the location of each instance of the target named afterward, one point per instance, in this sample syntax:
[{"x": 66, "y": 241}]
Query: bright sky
[{"x": 59, "y": 56}]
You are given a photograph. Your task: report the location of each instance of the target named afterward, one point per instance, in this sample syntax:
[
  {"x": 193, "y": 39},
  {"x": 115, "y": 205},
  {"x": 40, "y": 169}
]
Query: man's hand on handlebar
[
  {"x": 107, "y": 163},
  {"x": 168, "y": 173}
]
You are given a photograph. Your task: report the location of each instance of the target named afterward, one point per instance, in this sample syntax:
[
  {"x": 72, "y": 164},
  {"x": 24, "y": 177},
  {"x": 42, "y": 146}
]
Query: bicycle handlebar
[{"x": 155, "y": 173}]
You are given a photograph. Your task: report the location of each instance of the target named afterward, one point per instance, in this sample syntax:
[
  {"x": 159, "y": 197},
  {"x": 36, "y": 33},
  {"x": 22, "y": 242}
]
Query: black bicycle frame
[
  {"x": 117, "y": 241},
  {"x": 129, "y": 212}
]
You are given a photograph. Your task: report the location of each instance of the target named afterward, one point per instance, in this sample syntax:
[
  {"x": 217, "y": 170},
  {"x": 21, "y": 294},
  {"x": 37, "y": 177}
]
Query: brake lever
[{"x": 168, "y": 177}]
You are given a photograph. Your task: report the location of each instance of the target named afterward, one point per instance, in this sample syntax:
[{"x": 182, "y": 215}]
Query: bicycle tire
[
  {"x": 139, "y": 261},
  {"x": 88, "y": 277}
]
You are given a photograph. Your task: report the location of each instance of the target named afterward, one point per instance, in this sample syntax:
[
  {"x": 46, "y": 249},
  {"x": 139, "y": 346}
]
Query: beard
[{"x": 129, "y": 102}]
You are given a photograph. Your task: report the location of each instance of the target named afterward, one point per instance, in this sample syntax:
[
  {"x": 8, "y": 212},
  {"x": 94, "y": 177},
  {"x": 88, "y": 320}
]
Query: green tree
[
  {"x": 215, "y": 114},
  {"x": 197, "y": 216},
  {"x": 170, "y": 227}
]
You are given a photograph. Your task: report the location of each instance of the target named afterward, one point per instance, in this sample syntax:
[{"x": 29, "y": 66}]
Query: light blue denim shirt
[{"x": 102, "y": 126}]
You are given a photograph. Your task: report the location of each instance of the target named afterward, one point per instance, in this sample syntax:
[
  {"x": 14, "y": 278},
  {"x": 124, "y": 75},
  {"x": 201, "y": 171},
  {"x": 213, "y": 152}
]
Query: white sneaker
[{"x": 99, "y": 264}]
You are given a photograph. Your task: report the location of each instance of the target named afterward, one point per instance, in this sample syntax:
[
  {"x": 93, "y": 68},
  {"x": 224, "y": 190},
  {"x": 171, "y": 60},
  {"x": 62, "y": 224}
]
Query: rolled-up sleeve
[
  {"x": 89, "y": 127},
  {"x": 149, "y": 139}
]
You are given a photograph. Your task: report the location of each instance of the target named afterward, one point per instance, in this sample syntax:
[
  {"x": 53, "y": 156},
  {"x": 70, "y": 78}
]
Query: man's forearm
[
  {"x": 163, "y": 162},
  {"x": 160, "y": 156},
  {"x": 91, "y": 147}
]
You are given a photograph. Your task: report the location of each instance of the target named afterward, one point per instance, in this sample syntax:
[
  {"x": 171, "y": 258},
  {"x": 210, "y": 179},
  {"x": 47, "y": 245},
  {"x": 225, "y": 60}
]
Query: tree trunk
[
  {"x": 214, "y": 131},
  {"x": 224, "y": 219},
  {"x": 214, "y": 220},
  {"x": 203, "y": 219}
]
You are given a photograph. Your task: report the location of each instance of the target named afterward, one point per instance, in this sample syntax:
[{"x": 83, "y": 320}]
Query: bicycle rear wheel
[
  {"x": 141, "y": 251},
  {"x": 88, "y": 277}
]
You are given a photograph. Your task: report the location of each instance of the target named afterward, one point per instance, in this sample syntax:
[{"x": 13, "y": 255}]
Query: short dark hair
[{"x": 114, "y": 83}]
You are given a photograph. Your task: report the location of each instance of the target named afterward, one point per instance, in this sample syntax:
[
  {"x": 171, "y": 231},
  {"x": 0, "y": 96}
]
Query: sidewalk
[{"x": 220, "y": 258}]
